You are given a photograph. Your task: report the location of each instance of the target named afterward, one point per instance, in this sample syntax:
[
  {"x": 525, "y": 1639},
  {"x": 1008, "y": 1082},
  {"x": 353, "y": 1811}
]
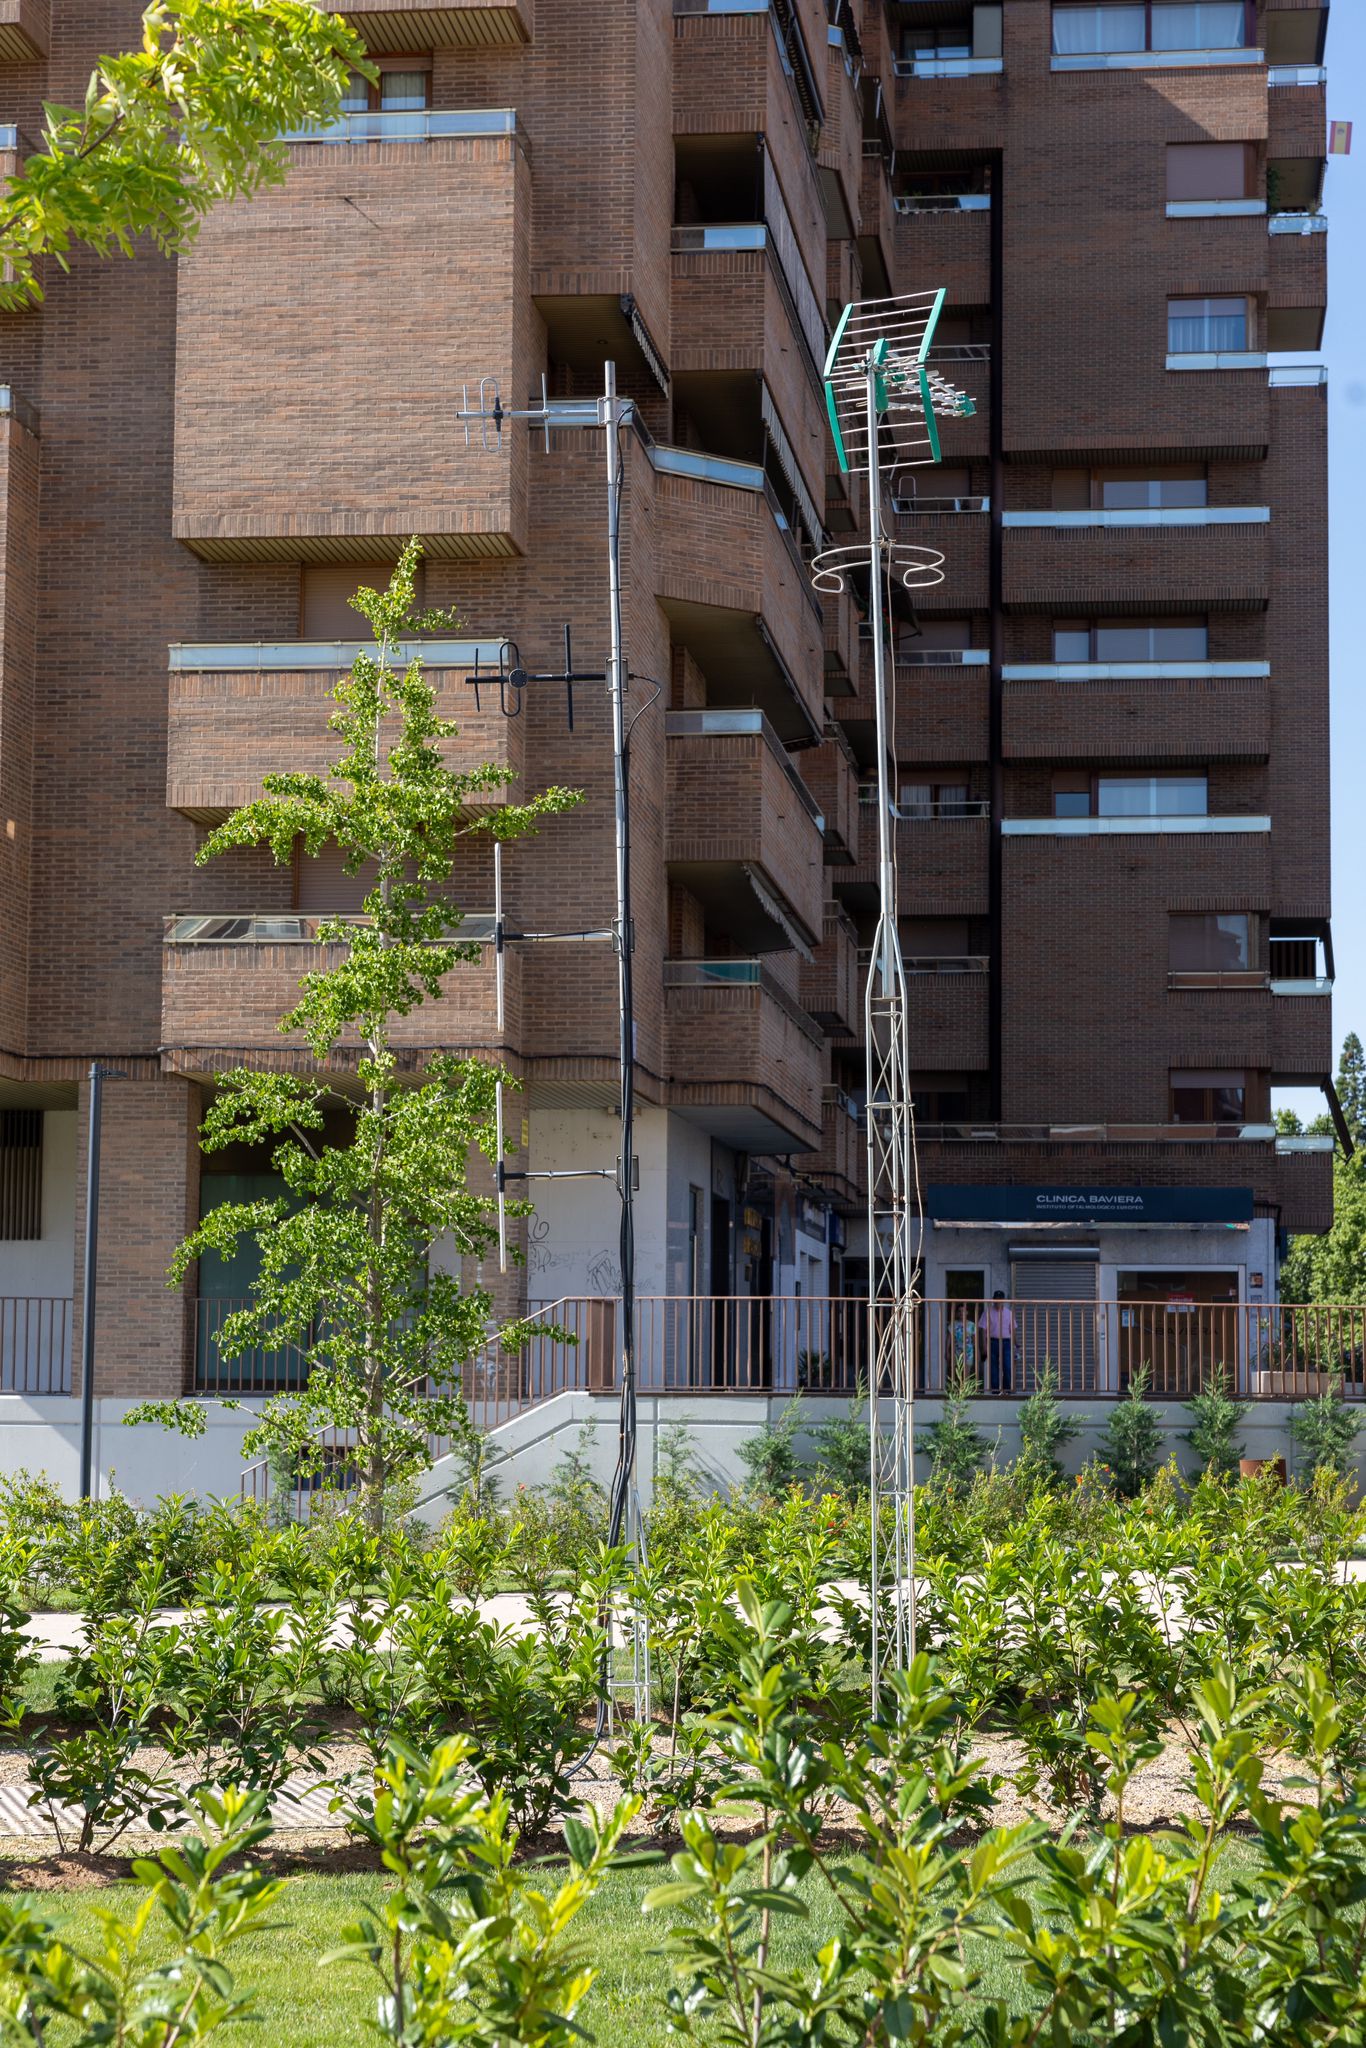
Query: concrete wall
[{"x": 44, "y": 1435}]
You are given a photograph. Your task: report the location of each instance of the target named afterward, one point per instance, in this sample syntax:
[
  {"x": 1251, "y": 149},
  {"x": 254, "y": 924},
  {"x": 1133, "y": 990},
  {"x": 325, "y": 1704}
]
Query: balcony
[
  {"x": 736, "y": 802},
  {"x": 947, "y": 1003},
  {"x": 958, "y": 102},
  {"x": 830, "y": 772},
  {"x": 941, "y": 714},
  {"x": 1104, "y": 828},
  {"x": 941, "y": 865},
  {"x": 227, "y": 979},
  {"x": 841, "y": 1164},
  {"x": 948, "y": 243},
  {"x": 841, "y": 146},
  {"x": 735, "y": 589},
  {"x": 457, "y": 206},
  {"x": 391, "y": 25},
  {"x": 1158, "y": 720},
  {"x": 239, "y": 711},
  {"x": 744, "y": 254},
  {"x": 1157, "y": 60},
  {"x": 962, "y": 536},
  {"x": 24, "y": 28},
  {"x": 841, "y": 643},
  {"x": 1212, "y": 559},
  {"x": 745, "y": 1060},
  {"x": 877, "y": 219},
  {"x": 829, "y": 984},
  {"x": 1290, "y": 1036}
]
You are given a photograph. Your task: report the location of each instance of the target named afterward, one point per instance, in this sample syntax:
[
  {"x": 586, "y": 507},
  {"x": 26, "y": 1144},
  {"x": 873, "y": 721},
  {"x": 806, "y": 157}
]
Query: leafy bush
[
  {"x": 1045, "y": 1426},
  {"x": 769, "y": 1456},
  {"x": 1216, "y": 1421},
  {"x": 1132, "y": 1443},
  {"x": 955, "y": 1444},
  {"x": 843, "y": 1452},
  {"x": 1326, "y": 1430}
]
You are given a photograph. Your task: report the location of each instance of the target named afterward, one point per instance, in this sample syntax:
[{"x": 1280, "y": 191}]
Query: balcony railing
[
  {"x": 947, "y": 67},
  {"x": 970, "y": 1132},
  {"x": 918, "y": 507},
  {"x": 947, "y": 963},
  {"x": 293, "y": 928},
  {"x": 1297, "y": 224},
  {"x": 421, "y": 124},
  {"x": 722, "y": 720},
  {"x": 941, "y": 657},
  {"x": 35, "y": 1344},
  {"x": 1097, "y": 828},
  {"x": 740, "y": 972},
  {"x": 699, "y": 1344},
  {"x": 1125, "y": 671},
  {"x": 943, "y": 202},
  {"x": 1294, "y": 376},
  {"x": 1147, "y": 515},
  {"x": 949, "y": 807},
  {"x": 263, "y": 656},
  {"x": 1218, "y": 359},
  {"x": 1151, "y": 60},
  {"x": 1296, "y": 74},
  {"x": 1218, "y": 977},
  {"x": 739, "y": 476},
  {"x": 1214, "y": 209}
]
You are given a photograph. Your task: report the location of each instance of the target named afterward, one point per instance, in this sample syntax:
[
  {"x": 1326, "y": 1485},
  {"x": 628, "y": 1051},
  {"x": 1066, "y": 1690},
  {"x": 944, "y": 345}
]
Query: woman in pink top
[{"x": 997, "y": 1325}]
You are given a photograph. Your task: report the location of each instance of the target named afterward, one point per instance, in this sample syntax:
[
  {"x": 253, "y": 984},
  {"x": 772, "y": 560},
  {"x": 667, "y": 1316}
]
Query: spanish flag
[{"x": 1339, "y": 138}]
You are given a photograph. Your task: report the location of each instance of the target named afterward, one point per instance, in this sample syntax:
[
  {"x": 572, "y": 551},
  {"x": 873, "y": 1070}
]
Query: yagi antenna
[{"x": 884, "y": 399}]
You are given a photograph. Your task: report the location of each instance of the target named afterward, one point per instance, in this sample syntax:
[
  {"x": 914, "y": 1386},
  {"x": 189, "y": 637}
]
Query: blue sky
[{"x": 1344, "y": 350}]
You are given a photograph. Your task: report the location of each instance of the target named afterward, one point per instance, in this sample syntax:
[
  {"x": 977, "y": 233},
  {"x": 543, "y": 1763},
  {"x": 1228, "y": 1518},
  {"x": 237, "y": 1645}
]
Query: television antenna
[
  {"x": 611, "y": 413},
  {"x": 884, "y": 401}
]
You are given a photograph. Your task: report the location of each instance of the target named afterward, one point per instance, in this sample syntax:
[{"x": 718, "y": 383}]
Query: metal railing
[
  {"x": 1293, "y": 376},
  {"x": 703, "y": 1344},
  {"x": 1296, "y": 74},
  {"x": 418, "y": 124},
  {"x": 292, "y": 928},
  {"x": 947, "y": 963},
  {"x": 910, "y": 508},
  {"x": 1146, "y": 515},
  {"x": 324, "y": 656},
  {"x": 946, "y": 67},
  {"x": 969, "y": 1131},
  {"x": 1297, "y": 224},
  {"x": 741, "y": 972},
  {"x": 35, "y": 1344},
  {"x": 723, "y": 721},
  {"x": 941, "y": 202}
]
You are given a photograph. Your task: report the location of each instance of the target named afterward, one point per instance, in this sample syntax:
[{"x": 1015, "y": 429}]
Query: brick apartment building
[{"x": 1111, "y": 721}]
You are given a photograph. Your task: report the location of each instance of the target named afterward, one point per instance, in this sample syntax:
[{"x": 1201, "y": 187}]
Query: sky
[{"x": 1344, "y": 350}]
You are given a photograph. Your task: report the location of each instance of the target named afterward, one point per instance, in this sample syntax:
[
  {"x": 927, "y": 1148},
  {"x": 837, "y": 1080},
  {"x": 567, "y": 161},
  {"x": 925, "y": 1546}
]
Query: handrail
[
  {"x": 942, "y": 202},
  {"x": 947, "y": 963},
  {"x": 293, "y": 928},
  {"x": 1126, "y": 671},
  {"x": 741, "y": 971},
  {"x": 1146, "y": 515},
  {"x": 418, "y": 124},
  {"x": 212, "y": 656},
  {"x": 723, "y": 720},
  {"x": 946, "y": 67},
  {"x": 1289, "y": 223}
]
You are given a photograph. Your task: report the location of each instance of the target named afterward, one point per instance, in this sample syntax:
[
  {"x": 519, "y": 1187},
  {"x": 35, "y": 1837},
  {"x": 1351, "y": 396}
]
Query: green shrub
[
  {"x": 1132, "y": 1443},
  {"x": 956, "y": 1446},
  {"x": 769, "y": 1456},
  {"x": 843, "y": 1452},
  {"x": 1216, "y": 1420},
  {"x": 1325, "y": 1429},
  {"x": 1045, "y": 1426}
]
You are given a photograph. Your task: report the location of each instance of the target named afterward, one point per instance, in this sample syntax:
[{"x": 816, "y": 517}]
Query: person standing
[{"x": 997, "y": 1325}]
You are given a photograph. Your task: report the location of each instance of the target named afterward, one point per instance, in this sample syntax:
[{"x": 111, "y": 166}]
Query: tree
[
  {"x": 344, "y": 1250},
  {"x": 1216, "y": 1424},
  {"x": 1351, "y": 1086},
  {"x": 193, "y": 117},
  {"x": 955, "y": 1444},
  {"x": 1045, "y": 1426},
  {"x": 1325, "y": 1430},
  {"x": 1333, "y": 1267},
  {"x": 1132, "y": 1443}
]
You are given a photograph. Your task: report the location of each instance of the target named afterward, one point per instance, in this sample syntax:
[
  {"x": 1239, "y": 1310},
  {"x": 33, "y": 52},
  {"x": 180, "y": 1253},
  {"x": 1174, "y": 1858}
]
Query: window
[
  {"x": 1212, "y": 942},
  {"x": 1124, "y": 490},
  {"x": 1206, "y": 326},
  {"x": 1210, "y": 170},
  {"x": 1130, "y": 640},
  {"x": 1208, "y": 1095},
  {"x": 1199, "y": 25},
  {"x": 21, "y": 1174},
  {"x": 1092, "y": 31},
  {"x": 940, "y": 1098},
  {"x": 925, "y": 43},
  {"x": 933, "y": 800},
  {"x": 401, "y": 88},
  {"x": 1078, "y": 794},
  {"x": 1152, "y": 796},
  {"x": 325, "y": 592},
  {"x": 935, "y": 636},
  {"x": 1117, "y": 25}
]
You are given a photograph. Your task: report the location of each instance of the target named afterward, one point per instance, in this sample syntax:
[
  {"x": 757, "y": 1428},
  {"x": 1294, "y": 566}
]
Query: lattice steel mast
[{"x": 882, "y": 397}]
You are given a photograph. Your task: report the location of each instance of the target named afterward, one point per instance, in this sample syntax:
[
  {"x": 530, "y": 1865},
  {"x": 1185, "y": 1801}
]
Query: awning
[{"x": 774, "y": 908}]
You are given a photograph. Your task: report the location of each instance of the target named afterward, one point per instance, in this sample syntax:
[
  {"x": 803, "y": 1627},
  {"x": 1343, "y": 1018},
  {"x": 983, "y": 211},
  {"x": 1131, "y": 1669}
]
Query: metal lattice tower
[{"x": 883, "y": 397}]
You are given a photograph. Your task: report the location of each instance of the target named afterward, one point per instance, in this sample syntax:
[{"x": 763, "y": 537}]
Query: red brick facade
[{"x": 183, "y": 444}]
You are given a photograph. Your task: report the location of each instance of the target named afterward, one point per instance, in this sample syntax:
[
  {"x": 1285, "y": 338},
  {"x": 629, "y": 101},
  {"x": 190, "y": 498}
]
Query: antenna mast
[{"x": 882, "y": 399}]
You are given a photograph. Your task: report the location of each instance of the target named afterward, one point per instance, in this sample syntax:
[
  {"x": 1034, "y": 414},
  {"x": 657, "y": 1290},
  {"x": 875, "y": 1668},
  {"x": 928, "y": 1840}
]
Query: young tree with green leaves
[
  {"x": 344, "y": 1250},
  {"x": 1332, "y": 1268},
  {"x": 191, "y": 117}
]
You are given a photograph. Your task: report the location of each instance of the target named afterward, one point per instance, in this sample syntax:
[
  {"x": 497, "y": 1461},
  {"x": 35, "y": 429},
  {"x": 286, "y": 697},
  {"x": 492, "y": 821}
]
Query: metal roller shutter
[{"x": 1062, "y": 1329}]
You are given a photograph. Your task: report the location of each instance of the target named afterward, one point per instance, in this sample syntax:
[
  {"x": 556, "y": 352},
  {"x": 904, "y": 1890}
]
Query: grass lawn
[{"x": 302, "y": 2005}]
